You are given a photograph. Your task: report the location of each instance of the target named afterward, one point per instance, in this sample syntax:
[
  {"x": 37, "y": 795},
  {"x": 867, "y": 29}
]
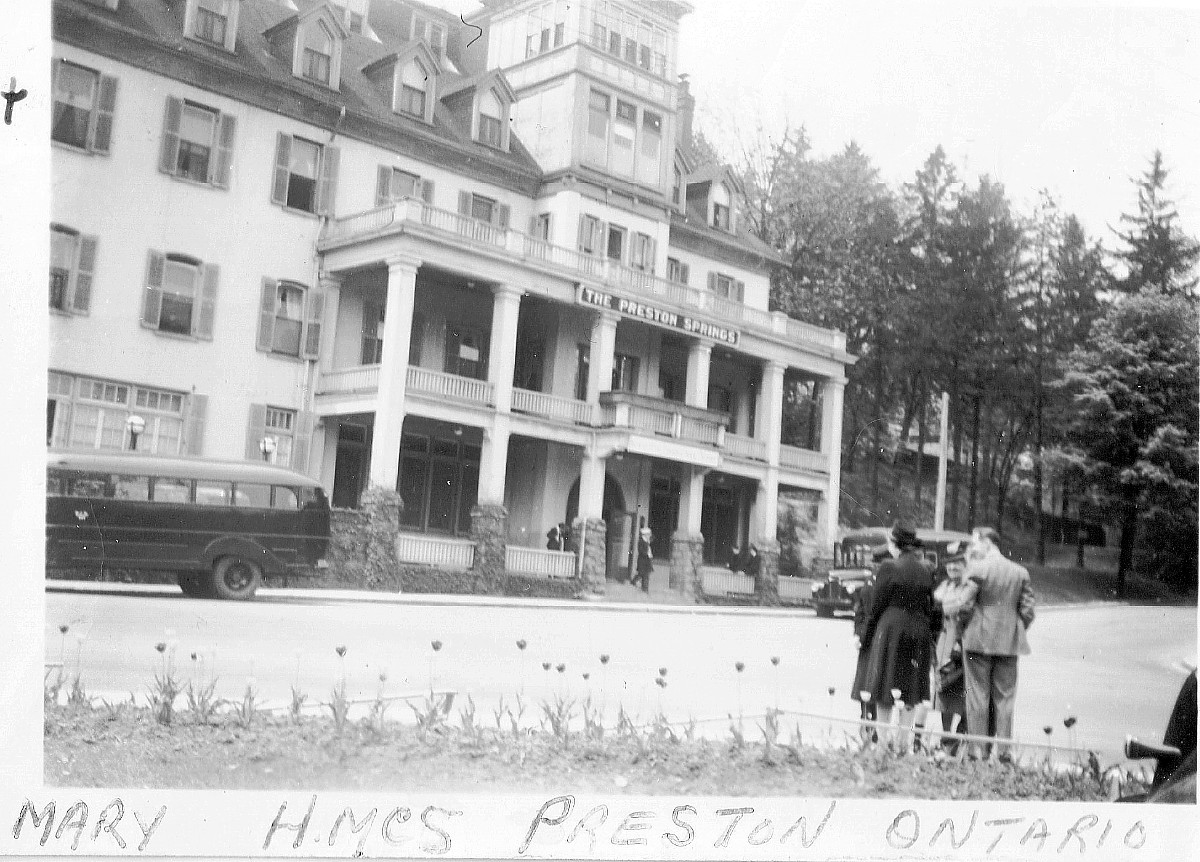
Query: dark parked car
[
  {"x": 836, "y": 592},
  {"x": 1175, "y": 772}
]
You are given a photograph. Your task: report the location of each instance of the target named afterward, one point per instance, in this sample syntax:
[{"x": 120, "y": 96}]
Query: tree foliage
[{"x": 1157, "y": 252}]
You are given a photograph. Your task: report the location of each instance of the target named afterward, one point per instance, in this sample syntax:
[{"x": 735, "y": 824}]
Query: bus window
[
  {"x": 285, "y": 498},
  {"x": 248, "y": 494},
  {"x": 132, "y": 488},
  {"x": 172, "y": 491},
  {"x": 210, "y": 493},
  {"x": 91, "y": 485},
  {"x": 312, "y": 498}
]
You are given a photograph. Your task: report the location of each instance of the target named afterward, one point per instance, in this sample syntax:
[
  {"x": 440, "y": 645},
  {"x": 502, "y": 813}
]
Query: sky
[{"x": 1070, "y": 98}]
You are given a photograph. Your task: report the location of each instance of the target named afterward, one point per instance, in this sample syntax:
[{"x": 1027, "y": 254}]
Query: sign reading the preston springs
[{"x": 656, "y": 315}]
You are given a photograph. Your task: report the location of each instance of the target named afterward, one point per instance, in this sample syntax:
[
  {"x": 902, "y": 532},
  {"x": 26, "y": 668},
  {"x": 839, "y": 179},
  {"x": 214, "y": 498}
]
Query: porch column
[
  {"x": 393, "y": 371},
  {"x": 591, "y": 485},
  {"x": 502, "y": 350},
  {"x": 698, "y": 363},
  {"x": 765, "y": 523},
  {"x": 332, "y": 288},
  {"x": 832, "y": 392},
  {"x": 769, "y": 423},
  {"x": 589, "y": 529},
  {"x": 600, "y": 360},
  {"x": 687, "y": 544},
  {"x": 493, "y": 463}
]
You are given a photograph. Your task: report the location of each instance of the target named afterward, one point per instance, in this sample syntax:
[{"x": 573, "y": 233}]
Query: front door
[
  {"x": 348, "y": 466},
  {"x": 664, "y": 514}
]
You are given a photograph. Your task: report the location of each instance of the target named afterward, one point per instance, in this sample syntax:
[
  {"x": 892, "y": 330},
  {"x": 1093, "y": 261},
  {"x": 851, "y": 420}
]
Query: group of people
[
  {"x": 964, "y": 626},
  {"x": 744, "y": 562},
  {"x": 558, "y": 537}
]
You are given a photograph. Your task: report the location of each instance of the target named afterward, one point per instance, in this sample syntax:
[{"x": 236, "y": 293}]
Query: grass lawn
[{"x": 126, "y": 746}]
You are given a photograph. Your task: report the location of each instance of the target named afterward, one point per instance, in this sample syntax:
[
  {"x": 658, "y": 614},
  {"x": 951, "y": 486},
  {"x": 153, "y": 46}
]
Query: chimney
[{"x": 686, "y": 110}]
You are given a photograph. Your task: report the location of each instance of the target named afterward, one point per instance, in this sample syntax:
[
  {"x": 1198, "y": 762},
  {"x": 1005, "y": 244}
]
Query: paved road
[{"x": 1117, "y": 669}]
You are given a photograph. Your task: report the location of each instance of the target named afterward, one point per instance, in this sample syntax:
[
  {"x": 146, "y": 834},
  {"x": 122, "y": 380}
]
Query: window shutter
[
  {"x": 224, "y": 164},
  {"x": 256, "y": 428},
  {"x": 712, "y": 282},
  {"x": 427, "y": 191},
  {"x": 266, "y": 315},
  {"x": 739, "y": 289},
  {"x": 106, "y": 106},
  {"x": 283, "y": 152},
  {"x": 383, "y": 185},
  {"x": 193, "y": 434},
  {"x": 311, "y": 348},
  {"x": 302, "y": 440},
  {"x": 503, "y": 213},
  {"x": 582, "y": 233},
  {"x": 168, "y": 159},
  {"x": 156, "y": 263},
  {"x": 651, "y": 254},
  {"x": 82, "y": 300},
  {"x": 210, "y": 273},
  {"x": 464, "y": 203},
  {"x": 327, "y": 187},
  {"x": 684, "y": 273}
]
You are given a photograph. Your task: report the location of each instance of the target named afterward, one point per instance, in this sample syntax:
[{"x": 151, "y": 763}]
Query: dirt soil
[{"x": 127, "y": 747}]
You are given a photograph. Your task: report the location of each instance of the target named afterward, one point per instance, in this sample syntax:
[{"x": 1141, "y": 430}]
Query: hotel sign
[{"x": 658, "y": 316}]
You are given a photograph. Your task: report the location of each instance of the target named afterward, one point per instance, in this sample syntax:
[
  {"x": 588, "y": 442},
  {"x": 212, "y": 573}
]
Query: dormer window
[
  {"x": 213, "y": 21},
  {"x": 721, "y": 207},
  {"x": 414, "y": 90},
  {"x": 433, "y": 34},
  {"x": 491, "y": 124},
  {"x": 317, "y": 59},
  {"x": 720, "y": 216}
]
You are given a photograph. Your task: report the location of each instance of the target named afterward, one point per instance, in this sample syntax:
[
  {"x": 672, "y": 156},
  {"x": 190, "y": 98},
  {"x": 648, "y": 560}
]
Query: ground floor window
[
  {"x": 439, "y": 483},
  {"x": 87, "y": 413},
  {"x": 722, "y": 521}
]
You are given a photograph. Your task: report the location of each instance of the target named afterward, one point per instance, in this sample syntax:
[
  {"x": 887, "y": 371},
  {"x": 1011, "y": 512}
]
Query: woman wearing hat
[
  {"x": 645, "y": 560},
  {"x": 951, "y": 596},
  {"x": 897, "y": 633}
]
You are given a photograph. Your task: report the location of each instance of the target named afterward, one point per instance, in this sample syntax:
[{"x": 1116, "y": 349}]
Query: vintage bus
[{"x": 221, "y": 527}]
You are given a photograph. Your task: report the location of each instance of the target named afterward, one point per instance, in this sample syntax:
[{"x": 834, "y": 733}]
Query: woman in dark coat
[
  {"x": 862, "y": 607},
  {"x": 897, "y": 634},
  {"x": 645, "y": 560}
]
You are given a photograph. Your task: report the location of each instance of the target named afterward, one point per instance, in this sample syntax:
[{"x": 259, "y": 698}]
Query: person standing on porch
[{"x": 645, "y": 560}]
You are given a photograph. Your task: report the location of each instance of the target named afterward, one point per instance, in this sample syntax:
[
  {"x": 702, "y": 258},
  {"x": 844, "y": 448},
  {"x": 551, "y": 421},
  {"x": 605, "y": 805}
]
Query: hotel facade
[{"x": 475, "y": 264}]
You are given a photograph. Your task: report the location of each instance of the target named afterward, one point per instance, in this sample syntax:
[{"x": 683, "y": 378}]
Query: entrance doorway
[
  {"x": 616, "y": 521},
  {"x": 349, "y": 466},
  {"x": 664, "y": 513}
]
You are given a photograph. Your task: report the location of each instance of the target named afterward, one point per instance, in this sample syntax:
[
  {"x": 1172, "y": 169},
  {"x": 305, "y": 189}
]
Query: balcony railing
[
  {"x": 360, "y": 378},
  {"x": 426, "y": 381},
  {"x": 543, "y": 564},
  {"x": 663, "y": 418},
  {"x": 795, "y": 458},
  {"x": 745, "y": 447},
  {"x": 722, "y": 582},
  {"x": 438, "y": 551},
  {"x": 795, "y": 589},
  {"x": 551, "y": 406},
  {"x": 575, "y": 263}
]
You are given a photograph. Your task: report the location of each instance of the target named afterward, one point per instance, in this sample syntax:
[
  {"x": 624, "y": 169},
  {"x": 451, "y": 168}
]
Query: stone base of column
[
  {"x": 593, "y": 532},
  {"x": 766, "y": 585},
  {"x": 489, "y": 531},
  {"x": 687, "y": 556}
]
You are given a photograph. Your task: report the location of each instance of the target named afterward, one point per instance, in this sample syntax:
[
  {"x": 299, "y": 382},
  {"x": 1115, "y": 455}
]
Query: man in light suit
[{"x": 1000, "y": 603}]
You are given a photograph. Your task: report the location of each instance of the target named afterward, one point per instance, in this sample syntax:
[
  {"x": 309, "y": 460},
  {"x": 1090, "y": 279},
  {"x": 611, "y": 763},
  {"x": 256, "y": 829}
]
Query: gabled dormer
[
  {"x": 312, "y": 43},
  {"x": 712, "y": 192},
  {"x": 213, "y": 22},
  {"x": 431, "y": 31},
  {"x": 483, "y": 103},
  {"x": 409, "y": 81}
]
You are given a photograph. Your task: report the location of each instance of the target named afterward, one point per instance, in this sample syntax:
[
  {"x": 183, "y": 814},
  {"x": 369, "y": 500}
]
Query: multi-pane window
[
  {"x": 317, "y": 57},
  {"x": 650, "y": 149},
  {"x": 394, "y": 184},
  {"x": 414, "y": 88},
  {"x": 439, "y": 482},
  {"x": 726, "y": 286},
  {"x": 491, "y": 124},
  {"x": 642, "y": 252},
  {"x": 545, "y": 27},
  {"x": 290, "y": 319},
  {"x": 84, "y": 102},
  {"x": 372, "y": 334},
  {"x": 591, "y": 235},
  {"x": 720, "y": 216},
  {"x": 625, "y": 372},
  {"x": 72, "y": 259},
  {"x": 611, "y": 138},
  {"x": 615, "y": 247},
  {"x": 541, "y": 227},
  {"x": 280, "y": 424},
  {"x": 305, "y": 175},
  {"x": 180, "y": 295},
  {"x": 629, "y": 37},
  {"x": 196, "y": 132},
  {"x": 197, "y": 143},
  {"x": 677, "y": 271},
  {"x": 432, "y": 32},
  {"x": 96, "y": 417},
  {"x": 624, "y": 131},
  {"x": 597, "y": 142},
  {"x": 482, "y": 209},
  {"x": 211, "y": 21}
]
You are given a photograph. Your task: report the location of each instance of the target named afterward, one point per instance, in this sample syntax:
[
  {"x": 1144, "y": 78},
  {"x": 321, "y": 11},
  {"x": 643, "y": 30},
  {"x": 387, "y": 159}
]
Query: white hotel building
[{"x": 482, "y": 274}]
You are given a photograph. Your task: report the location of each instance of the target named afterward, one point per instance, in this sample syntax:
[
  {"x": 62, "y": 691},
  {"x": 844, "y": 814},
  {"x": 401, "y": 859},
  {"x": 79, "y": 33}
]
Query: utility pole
[{"x": 939, "y": 512}]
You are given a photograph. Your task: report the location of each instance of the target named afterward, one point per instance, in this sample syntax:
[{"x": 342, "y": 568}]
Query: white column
[
  {"x": 393, "y": 371},
  {"x": 832, "y": 391},
  {"x": 493, "y": 463},
  {"x": 698, "y": 363},
  {"x": 691, "y": 501},
  {"x": 765, "y": 523},
  {"x": 770, "y": 409},
  {"x": 600, "y": 360},
  {"x": 502, "y": 349},
  {"x": 332, "y": 287},
  {"x": 591, "y": 485}
]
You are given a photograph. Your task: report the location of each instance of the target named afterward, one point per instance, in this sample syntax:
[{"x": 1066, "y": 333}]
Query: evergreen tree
[{"x": 1157, "y": 252}]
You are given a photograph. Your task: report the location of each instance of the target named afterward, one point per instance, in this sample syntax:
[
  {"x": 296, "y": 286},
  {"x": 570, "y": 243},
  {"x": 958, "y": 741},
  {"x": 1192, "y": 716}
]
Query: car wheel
[
  {"x": 235, "y": 578},
  {"x": 824, "y": 610},
  {"x": 194, "y": 585}
]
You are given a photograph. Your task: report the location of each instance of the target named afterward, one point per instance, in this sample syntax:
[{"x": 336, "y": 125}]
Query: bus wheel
[
  {"x": 235, "y": 578},
  {"x": 194, "y": 585}
]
